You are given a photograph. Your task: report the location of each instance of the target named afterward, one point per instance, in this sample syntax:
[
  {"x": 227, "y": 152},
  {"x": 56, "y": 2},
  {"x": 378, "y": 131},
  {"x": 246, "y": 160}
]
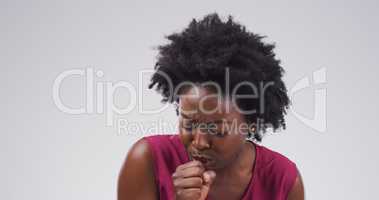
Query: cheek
[{"x": 185, "y": 138}]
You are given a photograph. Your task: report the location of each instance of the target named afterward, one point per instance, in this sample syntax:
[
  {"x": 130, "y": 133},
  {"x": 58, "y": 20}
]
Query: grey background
[{"x": 47, "y": 154}]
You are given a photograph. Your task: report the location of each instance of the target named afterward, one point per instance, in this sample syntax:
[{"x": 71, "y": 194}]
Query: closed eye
[
  {"x": 206, "y": 128},
  {"x": 188, "y": 127}
]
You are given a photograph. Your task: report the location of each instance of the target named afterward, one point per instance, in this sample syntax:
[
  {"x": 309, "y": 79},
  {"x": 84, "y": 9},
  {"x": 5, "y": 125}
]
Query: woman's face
[{"x": 210, "y": 128}]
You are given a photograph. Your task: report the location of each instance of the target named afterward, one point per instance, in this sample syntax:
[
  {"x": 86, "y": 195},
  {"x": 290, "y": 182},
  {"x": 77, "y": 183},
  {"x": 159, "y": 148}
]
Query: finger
[
  {"x": 189, "y": 164},
  {"x": 208, "y": 177},
  {"x": 190, "y": 193},
  {"x": 194, "y": 171},
  {"x": 193, "y": 182},
  {"x": 204, "y": 192}
]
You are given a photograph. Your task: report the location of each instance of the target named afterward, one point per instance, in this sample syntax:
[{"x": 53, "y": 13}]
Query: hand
[{"x": 192, "y": 182}]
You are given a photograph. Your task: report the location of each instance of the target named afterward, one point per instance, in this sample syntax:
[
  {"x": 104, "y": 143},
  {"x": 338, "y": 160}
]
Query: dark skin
[{"x": 225, "y": 176}]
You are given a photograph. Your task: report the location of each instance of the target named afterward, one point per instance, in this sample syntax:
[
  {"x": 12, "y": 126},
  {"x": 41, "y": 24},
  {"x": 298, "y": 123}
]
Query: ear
[{"x": 252, "y": 131}]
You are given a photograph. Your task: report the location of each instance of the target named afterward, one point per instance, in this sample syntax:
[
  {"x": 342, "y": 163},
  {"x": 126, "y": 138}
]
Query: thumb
[{"x": 208, "y": 177}]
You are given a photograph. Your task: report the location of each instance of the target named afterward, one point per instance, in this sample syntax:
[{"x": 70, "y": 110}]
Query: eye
[
  {"x": 214, "y": 130},
  {"x": 188, "y": 125},
  {"x": 220, "y": 134}
]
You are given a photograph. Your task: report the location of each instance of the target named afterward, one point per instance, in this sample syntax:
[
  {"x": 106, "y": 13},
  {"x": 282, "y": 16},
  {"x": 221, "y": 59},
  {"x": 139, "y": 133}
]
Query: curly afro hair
[{"x": 209, "y": 48}]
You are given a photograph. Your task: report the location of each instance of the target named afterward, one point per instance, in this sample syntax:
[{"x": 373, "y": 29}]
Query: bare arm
[
  {"x": 136, "y": 178},
  {"x": 297, "y": 191}
]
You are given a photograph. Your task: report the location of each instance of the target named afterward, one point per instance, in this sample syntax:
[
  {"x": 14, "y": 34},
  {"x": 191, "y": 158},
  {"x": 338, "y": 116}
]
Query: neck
[{"x": 241, "y": 165}]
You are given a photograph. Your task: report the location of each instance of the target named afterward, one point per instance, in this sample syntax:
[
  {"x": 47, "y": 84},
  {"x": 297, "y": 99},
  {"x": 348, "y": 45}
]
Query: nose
[{"x": 200, "y": 140}]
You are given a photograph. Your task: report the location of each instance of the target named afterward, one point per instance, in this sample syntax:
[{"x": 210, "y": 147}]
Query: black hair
[{"x": 207, "y": 49}]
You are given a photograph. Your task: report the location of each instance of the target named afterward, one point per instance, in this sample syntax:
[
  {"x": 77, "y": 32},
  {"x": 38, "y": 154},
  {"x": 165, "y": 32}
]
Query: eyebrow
[
  {"x": 216, "y": 121},
  {"x": 184, "y": 115}
]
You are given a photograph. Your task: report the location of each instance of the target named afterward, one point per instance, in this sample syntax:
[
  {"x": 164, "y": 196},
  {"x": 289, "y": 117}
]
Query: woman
[{"x": 228, "y": 89}]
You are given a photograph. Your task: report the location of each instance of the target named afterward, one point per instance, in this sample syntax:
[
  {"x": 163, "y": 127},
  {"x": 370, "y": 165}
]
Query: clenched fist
[{"x": 192, "y": 182}]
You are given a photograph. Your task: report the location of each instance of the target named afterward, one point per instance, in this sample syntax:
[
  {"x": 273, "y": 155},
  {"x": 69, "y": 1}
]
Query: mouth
[{"x": 205, "y": 160}]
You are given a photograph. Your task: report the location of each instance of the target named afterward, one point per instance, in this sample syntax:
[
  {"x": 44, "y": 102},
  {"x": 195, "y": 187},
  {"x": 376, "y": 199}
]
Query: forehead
[{"x": 204, "y": 104}]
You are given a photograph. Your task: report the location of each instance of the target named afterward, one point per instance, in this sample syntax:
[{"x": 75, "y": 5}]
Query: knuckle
[
  {"x": 199, "y": 181},
  {"x": 199, "y": 171},
  {"x": 176, "y": 183},
  {"x": 178, "y": 193},
  {"x": 178, "y": 168}
]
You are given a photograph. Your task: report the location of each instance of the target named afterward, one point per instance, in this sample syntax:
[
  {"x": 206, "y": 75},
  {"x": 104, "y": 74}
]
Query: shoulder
[
  {"x": 165, "y": 147},
  {"x": 276, "y": 169},
  {"x": 137, "y": 170},
  {"x": 275, "y": 160},
  {"x": 158, "y": 139}
]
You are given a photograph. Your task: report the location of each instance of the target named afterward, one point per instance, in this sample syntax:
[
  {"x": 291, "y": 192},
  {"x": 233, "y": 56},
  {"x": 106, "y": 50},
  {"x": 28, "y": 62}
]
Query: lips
[{"x": 202, "y": 159}]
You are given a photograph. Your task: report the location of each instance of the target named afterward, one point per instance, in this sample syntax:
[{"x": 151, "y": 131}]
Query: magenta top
[{"x": 273, "y": 174}]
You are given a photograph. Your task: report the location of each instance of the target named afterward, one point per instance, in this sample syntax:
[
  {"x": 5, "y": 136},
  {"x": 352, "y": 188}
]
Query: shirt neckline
[{"x": 254, "y": 171}]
